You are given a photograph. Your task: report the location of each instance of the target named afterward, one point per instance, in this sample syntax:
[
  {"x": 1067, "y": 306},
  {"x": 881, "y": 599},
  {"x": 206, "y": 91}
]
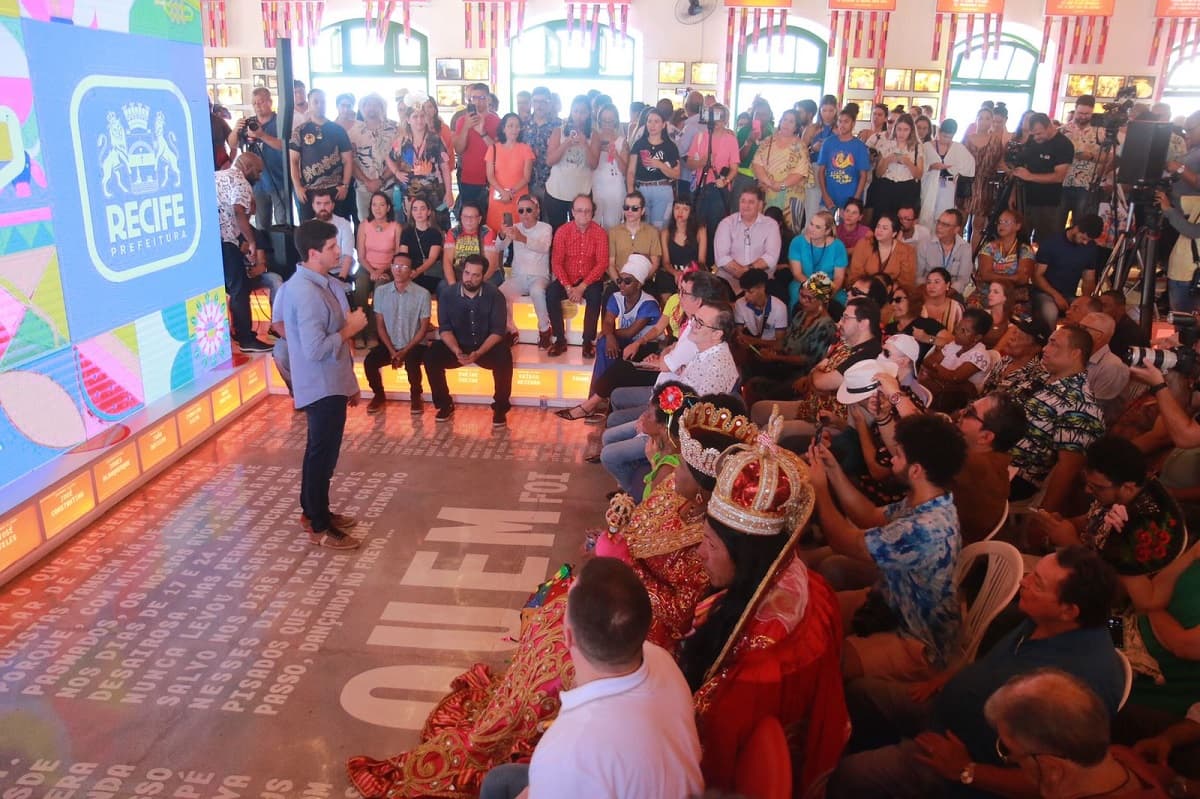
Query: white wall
[{"x": 661, "y": 37}]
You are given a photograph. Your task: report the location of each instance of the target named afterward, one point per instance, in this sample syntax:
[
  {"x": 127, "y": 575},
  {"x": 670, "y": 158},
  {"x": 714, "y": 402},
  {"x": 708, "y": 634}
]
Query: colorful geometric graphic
[
  {"x": 22, "y": 178},
  {"x": 33, "y": 318},
  {"x": 165, "y": 19},
  {"x": 110, "y": 374},
  {"x": 208, "y": 330},
  {"x": 164, "y": 351}
]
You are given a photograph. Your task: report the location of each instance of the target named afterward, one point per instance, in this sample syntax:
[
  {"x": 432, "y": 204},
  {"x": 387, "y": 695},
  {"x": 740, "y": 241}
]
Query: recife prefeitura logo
[{"x": 132, "y": 139}]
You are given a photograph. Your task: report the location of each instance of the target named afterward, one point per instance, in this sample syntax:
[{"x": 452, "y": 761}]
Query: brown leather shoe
[
  {"x": 557, "y": 348},
  {"x": 333, "y": 539},
  {"x": 589, "y": 349},
  {"x": 338, "y": 520},
  {"x": 544, "y": 339},
  {"x": 376, "y": 404}
]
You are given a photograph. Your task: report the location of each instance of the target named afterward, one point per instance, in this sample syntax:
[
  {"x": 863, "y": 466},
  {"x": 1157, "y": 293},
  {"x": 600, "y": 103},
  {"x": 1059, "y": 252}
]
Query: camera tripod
[{"x": 1136, "y": 245}]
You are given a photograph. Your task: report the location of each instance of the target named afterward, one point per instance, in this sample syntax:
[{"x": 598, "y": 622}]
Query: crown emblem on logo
[{"x": 137, "y": 115}]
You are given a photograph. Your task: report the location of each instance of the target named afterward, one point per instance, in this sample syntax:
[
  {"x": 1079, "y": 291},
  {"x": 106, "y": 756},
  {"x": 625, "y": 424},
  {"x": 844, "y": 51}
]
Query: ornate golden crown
[
  {"x": 709, "y": 417},
  {"x": 762, "y": 488}
]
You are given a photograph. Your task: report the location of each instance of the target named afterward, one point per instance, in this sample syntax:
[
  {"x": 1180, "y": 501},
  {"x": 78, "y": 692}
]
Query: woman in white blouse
[
  {"x": 945, "y": 161},
  {"x": 898, "y": 171}
]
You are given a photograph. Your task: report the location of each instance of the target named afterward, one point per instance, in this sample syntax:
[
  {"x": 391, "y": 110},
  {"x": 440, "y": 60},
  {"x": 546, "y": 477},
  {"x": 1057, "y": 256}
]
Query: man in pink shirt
[
  {"x": 473, "y": 136},
  {"x": 578, "y": 259}
]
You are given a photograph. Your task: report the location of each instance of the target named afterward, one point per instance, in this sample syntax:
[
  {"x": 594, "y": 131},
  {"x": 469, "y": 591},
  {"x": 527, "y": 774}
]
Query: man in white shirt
[
  {"x": 911, "y": 232},
  {"x": 322, "y": 204},
  {"x": 746, "y": 240},
  {"x": 627, "y": 729},
  {"x": 530, "y": 241},
  {"x": 759, "y": 316}
]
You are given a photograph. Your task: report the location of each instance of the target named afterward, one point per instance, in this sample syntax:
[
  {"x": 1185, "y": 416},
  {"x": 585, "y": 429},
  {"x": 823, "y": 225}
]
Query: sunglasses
[
  {"x": 524, "y": 210},
  {"x": 857, "y": 293},
  {"x": 625, "y": 280},
  {"x": 898, "y": 300},
  {"x": 631, "y": 207}
]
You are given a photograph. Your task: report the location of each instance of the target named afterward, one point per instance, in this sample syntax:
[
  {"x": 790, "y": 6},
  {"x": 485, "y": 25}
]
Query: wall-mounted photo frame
[
  {"x": 271, "y": 63},
  {"x": 208, "y": 67},
  {"x": 897, "y": 80},
  {"x": 932, "y": 102},
  {"x": 449, "y": 95},
  {"x": 927, "y": 81},
  {"x": 671, "y": 93},
  {"x": 476, "y": 69},
  {"x": 272, "y": 82},
  {"x": 861, "y": 78},
  {"x": 1144, "y": 85},
  {"x": 1080, "y": 84},
  {"x": 259, "y": 80},
  {"x": 448, "y": 69},
  {"x": 704, "y": 73},
  {"x": 892, "y": 102},
  {"x": 227, "y": 68},
  {"x": 1107, "y": 86},
  {"x": 865, "y": 106},
  {"x": 258, "y": 63},
  {"x": 672, "y": 71},
  {"x": 228, "y": 94}
]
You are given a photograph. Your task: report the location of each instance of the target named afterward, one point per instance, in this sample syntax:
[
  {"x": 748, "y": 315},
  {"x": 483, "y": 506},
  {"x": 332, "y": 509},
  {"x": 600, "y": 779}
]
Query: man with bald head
[{"x": 1107, "y": 375}]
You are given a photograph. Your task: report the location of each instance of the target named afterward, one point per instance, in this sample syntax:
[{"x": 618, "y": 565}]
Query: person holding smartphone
[{"x": 474, "y": 135}]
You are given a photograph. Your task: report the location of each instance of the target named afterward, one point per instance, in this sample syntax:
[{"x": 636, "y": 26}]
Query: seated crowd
[{"x": 813, "y": 397}]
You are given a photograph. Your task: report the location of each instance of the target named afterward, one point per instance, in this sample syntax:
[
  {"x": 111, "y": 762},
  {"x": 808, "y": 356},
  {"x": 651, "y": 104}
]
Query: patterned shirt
[
  {"x": 1081, "y": 173},
  {"x": 916, "y": 552},
  {"x": 1063, "y": 415},
  {"x": 371, "y": 148},
  {"x": 1006, "y": 262},
  {"x": 538, "y": 138},
  {"x": 711, "y": 371},
  {"x": 232, "y": 189},
  {"x": 1026, "y": 381},
  {"x": 320, "y": 148},
  {"x": 579, "y": 256}
]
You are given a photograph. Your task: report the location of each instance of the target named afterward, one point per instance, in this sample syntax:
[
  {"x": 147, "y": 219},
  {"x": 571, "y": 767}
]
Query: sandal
[{"x": 572, "y": 414}]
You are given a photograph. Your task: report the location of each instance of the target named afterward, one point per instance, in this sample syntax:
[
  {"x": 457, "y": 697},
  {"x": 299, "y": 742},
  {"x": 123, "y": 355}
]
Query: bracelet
[
  {"x": 885, "y": 421},
  {"x": 1157, "y": 387}
]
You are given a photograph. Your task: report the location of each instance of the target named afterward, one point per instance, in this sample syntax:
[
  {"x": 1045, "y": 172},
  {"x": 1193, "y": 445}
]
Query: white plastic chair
[
  {"x": 923, "y": 394},
  {"x": 1128, "y": 678},
  {"x": 1000, "y": 524},
  {"x": 1000, "y": 585}
]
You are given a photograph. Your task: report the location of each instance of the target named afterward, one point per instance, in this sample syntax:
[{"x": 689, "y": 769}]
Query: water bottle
[{"x": 544, "y": 402}]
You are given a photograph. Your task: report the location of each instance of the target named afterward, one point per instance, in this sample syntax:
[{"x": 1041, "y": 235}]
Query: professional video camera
[
  {"x": 1014, "y": 154},
  {"x": 1182, "y": 358},
  {"x": 1116, "y": 114}
]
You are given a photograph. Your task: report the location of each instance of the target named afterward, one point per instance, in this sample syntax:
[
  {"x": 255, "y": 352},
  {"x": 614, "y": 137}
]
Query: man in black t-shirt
[
  {"x": 1048, "y": 156},
  {"x": 321, "y": 156}
]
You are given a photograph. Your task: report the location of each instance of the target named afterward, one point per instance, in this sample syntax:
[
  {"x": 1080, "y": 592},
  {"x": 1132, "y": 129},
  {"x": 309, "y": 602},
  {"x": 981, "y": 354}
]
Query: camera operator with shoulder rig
[
  {"x": 1047, "y": 157},
  {"x": 1183, "y": 265}
]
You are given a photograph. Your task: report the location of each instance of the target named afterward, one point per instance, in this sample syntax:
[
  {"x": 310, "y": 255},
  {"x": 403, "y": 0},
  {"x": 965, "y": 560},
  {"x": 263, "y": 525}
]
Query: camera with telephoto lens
[
  {"x": 1182, "y": 358},
  {"x": 252, "y": 124}
]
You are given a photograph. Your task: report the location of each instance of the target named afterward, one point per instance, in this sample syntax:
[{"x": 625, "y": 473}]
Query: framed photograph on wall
[
  {"x": 932, "y": 102},
  {"x": 865, "y": 105},
  {"x": 259, "y": 80},
  {"x": 476, "y": 69},
  {"x": 229, "y": 94},
  {"x": 208, "y": 67},
  {"x": 448, "y": 68},
  {"x": 270, "y": 60},
  {"x": 227, "y": 68},
  {"x": 927, "y": 81},
  {"x": 272, "y": 82},
  {"x": 1107, "y": 86},
  {"x": 897, "y": 80},
  {"x": 861, "y": 78},
  {"x": 671, "y": 71},
  {"x": 1144, "y": 85},
  {"x": 892, "y": 102},
  {"x": 258, "y": 63},
  {"x": 704, "y": 73},
  {"x": 449, "y": 95},
  {"x": 1080, "y": 84}
]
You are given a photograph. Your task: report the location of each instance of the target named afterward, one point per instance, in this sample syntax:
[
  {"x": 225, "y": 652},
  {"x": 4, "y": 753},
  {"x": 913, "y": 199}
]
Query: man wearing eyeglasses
[
  {"x": 1063, "y": 259},
  {"x": 947, "y": 747},
  {"x": 530, "y": 241},
  {"x": 947, "y": 249},
  {"x": 475, "y": 133},
  {"x": 746, "y": 240},
  {"x": 579, "y": 259}
]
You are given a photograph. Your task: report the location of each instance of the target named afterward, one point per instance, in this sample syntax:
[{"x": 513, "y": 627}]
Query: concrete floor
[{"x": 193, "y": 644}]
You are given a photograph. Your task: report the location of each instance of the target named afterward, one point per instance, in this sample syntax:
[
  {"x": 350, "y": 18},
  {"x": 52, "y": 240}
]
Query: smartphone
[
  {"x": 756, "y": 126},
  {"x": 645, "y": 156},
  {"x": 507, "y": 219}
]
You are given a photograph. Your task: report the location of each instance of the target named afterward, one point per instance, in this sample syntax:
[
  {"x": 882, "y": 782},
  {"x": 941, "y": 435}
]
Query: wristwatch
[
  {"x": 967, "y": 775},
  {"x": 895, "y": 398}
]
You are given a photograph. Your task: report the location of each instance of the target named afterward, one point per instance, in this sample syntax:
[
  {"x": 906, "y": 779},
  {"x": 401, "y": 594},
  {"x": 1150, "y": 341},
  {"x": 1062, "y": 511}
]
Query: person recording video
[{"x": 1046, "y": 159}]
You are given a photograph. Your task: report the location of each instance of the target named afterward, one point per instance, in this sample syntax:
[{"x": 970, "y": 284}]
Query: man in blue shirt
[
  {"x": 948, "y": 747},
  {"x": 1062, "y": 260},
  {"x": 843, "y": 166},
  {"x": 472, "y": 331},
  {"x": 319, "y": 328},
  {"x": 262, "y": 139}
]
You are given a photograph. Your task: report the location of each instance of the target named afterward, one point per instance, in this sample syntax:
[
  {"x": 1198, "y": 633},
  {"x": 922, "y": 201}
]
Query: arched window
[
  {"x": 349, "y": 58},
  {"x": 546, "y": 55},
  {"x": 782, "y": 76},
  {"x": 1182, "y": 90},
  {"x": 1008, "y": 78}
]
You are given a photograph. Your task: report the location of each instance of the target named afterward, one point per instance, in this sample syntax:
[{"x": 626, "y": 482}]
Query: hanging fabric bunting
[
  {"x": 570, "y": 19},
  {"x": 949, "y": 58},
  {"x": 970, "y": 34},
  {"x": 1076, "y": 31},
  {"x": 624, "y": 19},
  {"x": 297, "y": 20},
  {"x": 996, "y": 38},
  {"x": 1046, "y": 30},
  {"x": 1059, "y": 63},
  {"x": 730, "y": 24},
  {"x": 782, "y": 28},
  {"x": 1082, "y": 16},
  {"x": 988, "y": 14},
  {"x": 883, "y": 40},
  {"x": 833, "y": 29},
  {"x": 595, "y": 25},
  {"x": 871, "y": 35},
  {"x": 770, "y": 27},
  {"x": 216, "y": 24},
  {"x": 757, "y": 25},
  {"x": 937, "y": 38}
]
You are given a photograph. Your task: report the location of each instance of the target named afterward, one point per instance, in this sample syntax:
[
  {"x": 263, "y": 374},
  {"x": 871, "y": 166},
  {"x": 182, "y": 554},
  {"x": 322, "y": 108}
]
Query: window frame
[
  {"x": 796, "y": 79},
  {"x": 594, "y": 70},
  {"x": 390, "y": 67}
]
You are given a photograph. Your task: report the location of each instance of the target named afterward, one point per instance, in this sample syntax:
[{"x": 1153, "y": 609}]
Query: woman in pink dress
[{"x": 509, "y": 166}]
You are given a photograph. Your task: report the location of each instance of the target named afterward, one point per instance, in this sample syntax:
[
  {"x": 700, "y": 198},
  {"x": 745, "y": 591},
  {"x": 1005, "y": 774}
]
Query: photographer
[
  {"x": 1047, "y": 157},
  {"x": 1077, "y": 199},
  {"x": 1188, "y": 170},
  {"x": 1184, "y": 430},
  {"x": 1183, "y": 266},
  {"x": 259, "y": 134}
]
